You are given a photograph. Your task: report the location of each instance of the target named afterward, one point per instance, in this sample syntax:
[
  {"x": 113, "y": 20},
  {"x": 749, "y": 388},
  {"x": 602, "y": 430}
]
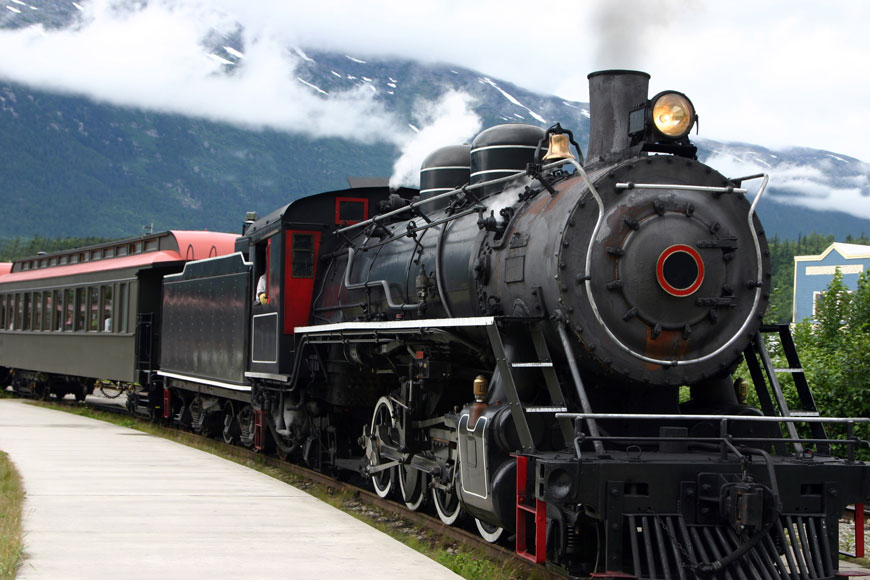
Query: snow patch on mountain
[
  {"x": 311, "y": 85},
  {"x": 513, "y": 100},
  {"x": 219, "y": 59},
  {"x": 301, "y": 54},
  {"x": 234, "y": 52}
]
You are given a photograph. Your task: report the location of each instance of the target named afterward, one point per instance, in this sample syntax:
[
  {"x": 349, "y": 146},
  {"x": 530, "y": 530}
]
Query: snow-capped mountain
[{"x": 74, "y": 166}]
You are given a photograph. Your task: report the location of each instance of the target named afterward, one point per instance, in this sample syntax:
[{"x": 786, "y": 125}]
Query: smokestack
[{"x": 612, "y": 95}]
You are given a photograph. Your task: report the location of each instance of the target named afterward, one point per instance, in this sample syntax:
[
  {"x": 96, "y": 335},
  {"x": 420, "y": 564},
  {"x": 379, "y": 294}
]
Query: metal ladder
[
  {"x": 545, "y": 364},
  {"x": 531, "y": 513},
  {"x": 758, "y": 357}
]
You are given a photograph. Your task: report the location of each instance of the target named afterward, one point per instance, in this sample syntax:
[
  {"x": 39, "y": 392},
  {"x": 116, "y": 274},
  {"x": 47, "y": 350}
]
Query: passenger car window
[
  {"x": 69, "y": 308},
  {"x": 106, "y": 321},
  {"x": 80, "y": 309}
]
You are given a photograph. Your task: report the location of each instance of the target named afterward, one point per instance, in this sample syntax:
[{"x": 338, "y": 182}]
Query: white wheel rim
[
  {"x": 382, "y": 489},
  {"x": 447, "y": 518},
  {"x": 490, "y": 536},
  {"x": 415, "y": 504}
]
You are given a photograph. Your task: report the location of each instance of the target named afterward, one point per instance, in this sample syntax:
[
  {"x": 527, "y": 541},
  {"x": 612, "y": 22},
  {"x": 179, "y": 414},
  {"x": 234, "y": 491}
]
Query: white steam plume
[
  {"x": 448, "y": 121},
  {"x": 626, "y": 29}
]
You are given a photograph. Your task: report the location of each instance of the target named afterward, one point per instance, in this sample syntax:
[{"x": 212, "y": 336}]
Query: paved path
[{"x": 109, "y": 502}]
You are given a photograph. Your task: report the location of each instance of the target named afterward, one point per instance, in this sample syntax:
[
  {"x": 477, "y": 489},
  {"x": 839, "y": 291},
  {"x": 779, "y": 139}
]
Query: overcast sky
[{"x": 776, "y": 73}]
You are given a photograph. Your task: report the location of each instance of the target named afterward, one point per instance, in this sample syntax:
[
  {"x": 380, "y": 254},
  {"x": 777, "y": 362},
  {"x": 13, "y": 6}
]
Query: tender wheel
[
  {"x": 197, "y": 414},
  {"x": 382, "y": 481},
  {"x": 489, "y": 532},
  {"x": 446, "y": 505},
  {"x": 230, "y": 431},
  {"x": 413, "y": 484},
  {"x": 245, "y": 419}
]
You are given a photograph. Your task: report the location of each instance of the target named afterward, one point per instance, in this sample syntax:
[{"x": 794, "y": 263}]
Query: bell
[
  {"x": 560, "y": 148},
  {"x": 481, "y": 386},
  {"x": 741, "y": 388}
]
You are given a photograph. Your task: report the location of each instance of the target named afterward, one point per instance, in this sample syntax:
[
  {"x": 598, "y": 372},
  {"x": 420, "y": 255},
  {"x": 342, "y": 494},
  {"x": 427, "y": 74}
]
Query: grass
[
  {"x": 865, "y": 562},
  {"x": 11, "y": 500},
  {"x": 444, "y": 550}
]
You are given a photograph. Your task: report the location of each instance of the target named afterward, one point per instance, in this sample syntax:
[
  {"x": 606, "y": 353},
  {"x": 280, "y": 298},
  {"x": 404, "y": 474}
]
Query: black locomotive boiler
[{"x": 510, "y": 342}]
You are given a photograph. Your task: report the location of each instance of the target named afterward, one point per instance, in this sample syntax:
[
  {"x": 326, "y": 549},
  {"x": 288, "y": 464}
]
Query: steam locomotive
[{"x": 511, "y": 343}]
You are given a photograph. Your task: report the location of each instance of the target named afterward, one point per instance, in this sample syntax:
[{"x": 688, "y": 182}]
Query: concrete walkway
[{"x": 108, "y": 502}]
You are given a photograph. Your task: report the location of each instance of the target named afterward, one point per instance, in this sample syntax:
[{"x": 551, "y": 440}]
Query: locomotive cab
[{"x": 285, "y": 249}]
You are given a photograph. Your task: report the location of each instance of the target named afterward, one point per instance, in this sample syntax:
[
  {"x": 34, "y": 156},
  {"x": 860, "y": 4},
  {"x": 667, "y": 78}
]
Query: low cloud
[
  {"x": 822, "y": 185},
  {"x": 156, "y": 56}
]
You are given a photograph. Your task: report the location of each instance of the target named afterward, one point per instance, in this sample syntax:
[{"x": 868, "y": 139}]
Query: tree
[{"x": 835, "y": 351}]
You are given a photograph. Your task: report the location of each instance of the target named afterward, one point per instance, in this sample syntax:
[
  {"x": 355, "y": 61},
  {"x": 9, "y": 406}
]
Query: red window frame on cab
[{"x": 340, "y": 200}]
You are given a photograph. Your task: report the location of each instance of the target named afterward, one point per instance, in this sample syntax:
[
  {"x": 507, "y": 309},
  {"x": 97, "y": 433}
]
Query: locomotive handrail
[
  {"x": 588, "y": 282},
  {"x": 406, "y": 232},
  {"x": 591, "y": 423},
  {"x": 446, "y": 194},
  {"x": 724, "y": 438},
  {"x": 681, "y": 187},
  {"x": 700, "y": 417},
  {"x": 373, "y": 283}
]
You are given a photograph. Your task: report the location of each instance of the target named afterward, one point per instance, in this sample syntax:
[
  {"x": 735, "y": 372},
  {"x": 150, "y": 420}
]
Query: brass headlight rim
[{"x": 687, "y": 104}]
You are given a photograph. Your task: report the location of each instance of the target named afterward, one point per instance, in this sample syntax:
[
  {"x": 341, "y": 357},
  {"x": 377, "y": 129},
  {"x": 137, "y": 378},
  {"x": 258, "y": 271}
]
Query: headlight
[{"x": 673, "y": 114}]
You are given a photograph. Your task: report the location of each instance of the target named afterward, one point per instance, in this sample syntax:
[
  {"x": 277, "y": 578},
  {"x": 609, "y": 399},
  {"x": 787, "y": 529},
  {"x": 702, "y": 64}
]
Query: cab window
[
  {"x": 303, "y": 256},
  {"x": 351, "y": 210}
]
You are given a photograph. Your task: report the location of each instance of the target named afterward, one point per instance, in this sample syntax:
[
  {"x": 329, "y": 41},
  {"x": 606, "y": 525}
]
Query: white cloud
[
  {"x": 777, "y": 73},
  {"x": 809, "y": 185},
  {"x": 154, "y": 57}
]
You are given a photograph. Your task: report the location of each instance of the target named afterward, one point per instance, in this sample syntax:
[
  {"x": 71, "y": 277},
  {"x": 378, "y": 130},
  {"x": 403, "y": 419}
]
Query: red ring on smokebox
[{"x": 660, "y": 266}]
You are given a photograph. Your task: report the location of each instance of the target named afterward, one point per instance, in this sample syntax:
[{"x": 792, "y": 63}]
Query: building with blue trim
[{"x": 813, "y": 274}]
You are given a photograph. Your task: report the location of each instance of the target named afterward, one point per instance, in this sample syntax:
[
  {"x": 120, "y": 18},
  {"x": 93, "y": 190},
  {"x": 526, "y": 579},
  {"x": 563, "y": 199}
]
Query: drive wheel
[
  {"x": 489, "y": 532},
  {"x": 382, "y": 418},
  {"x": 446, "y": 505},
  {"x": 412, "y": 484}
]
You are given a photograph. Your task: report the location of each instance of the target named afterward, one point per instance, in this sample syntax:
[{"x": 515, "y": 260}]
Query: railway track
[
  {"x": 396, "y": 510},
  {"x": 423, "y": 521}
]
